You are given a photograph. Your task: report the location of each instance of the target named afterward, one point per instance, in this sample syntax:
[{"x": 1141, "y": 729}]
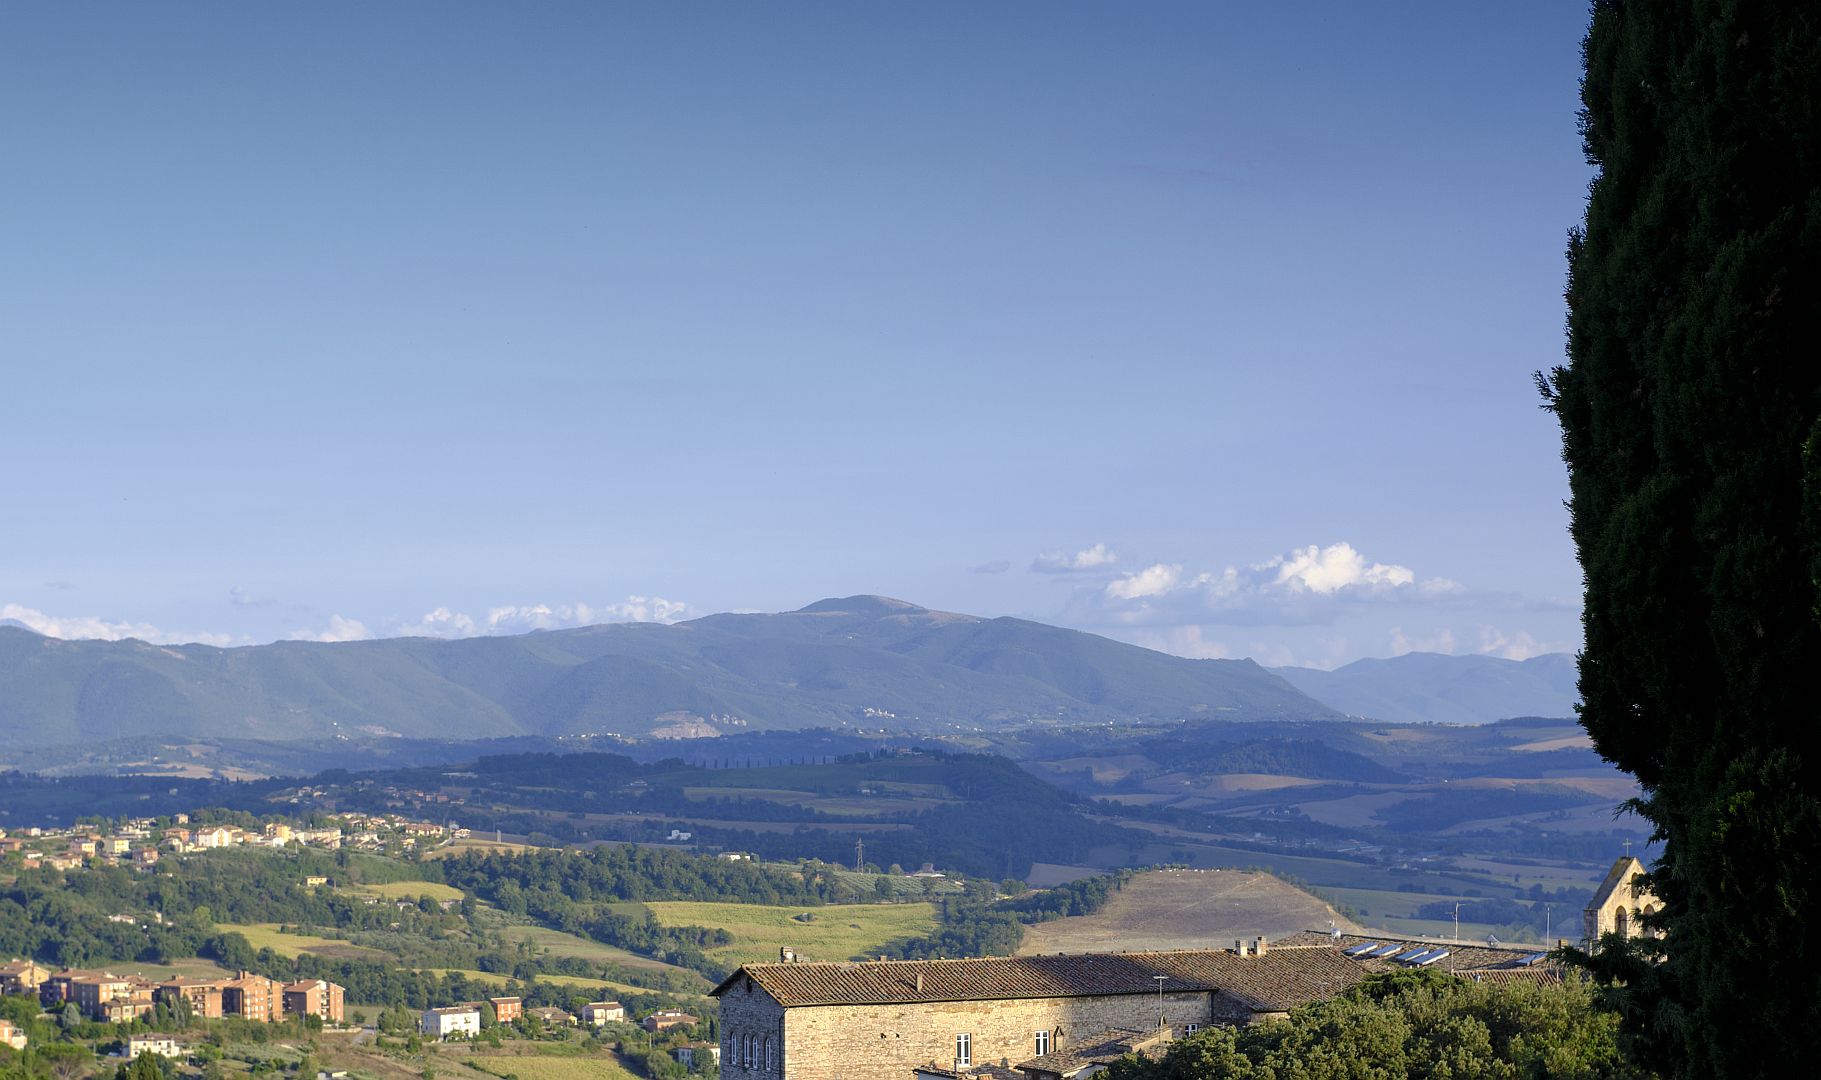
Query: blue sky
[{"x": 1207, "y": 328}]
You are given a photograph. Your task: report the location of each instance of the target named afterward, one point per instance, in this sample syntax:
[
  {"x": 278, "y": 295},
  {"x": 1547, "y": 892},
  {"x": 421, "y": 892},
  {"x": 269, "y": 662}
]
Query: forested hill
[{"x": 860, "y": 660}]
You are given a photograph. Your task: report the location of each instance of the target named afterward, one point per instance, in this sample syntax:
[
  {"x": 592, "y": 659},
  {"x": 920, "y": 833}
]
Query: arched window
[
  {"x": 771, "y": 1054},
  {"x": 1621, "y": 923},
  {"x": 745, "y": 1055}
]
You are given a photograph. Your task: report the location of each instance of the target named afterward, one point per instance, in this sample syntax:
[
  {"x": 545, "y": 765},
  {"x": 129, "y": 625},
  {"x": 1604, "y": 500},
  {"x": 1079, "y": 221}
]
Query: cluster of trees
[
  {"x": 62, "y": 918},
  {"x": 1411, "y": 1023},
  {"x": 978, "y": 925},
  {"x": 605, "y": 874},
  {"x": 1690, "y": 410}
]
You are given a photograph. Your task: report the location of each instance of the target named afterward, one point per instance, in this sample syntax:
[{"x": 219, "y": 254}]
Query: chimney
[
  {"x": 1259, "y": 947},
  {"x": 787, "y": 955},
  {"x": 919, "y": 982},
  {"x": 1239, "y": 946}
]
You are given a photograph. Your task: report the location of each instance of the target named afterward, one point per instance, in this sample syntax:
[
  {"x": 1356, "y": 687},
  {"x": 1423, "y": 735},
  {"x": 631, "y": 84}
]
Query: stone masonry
[{"x": 863, "y": 1042}]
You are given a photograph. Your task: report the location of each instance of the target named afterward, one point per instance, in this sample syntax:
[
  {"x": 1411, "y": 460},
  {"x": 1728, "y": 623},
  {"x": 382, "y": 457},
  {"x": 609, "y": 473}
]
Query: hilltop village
[{"x": 141, "y": 842}]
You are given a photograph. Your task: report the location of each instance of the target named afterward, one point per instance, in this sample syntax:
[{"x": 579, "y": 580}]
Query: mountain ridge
[{"x": 844, "y": 661}]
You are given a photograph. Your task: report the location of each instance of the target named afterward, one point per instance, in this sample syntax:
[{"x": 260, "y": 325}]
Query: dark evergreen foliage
[{"x": 1689, "y": 411}]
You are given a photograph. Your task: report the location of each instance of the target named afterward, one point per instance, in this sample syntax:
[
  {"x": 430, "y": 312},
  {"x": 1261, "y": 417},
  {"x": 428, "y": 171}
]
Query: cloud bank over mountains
[
  {"x": 1308, "y": 605},
  {"x": 441, "y": 622},
  {"x": 1302, "y": 587},
  {"x": 1317, "y": 605},
  {"x": 94, "y": 627}
]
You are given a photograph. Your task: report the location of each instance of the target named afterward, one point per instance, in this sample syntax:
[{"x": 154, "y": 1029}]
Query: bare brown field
[
  {"x": 1600, "y": 817},
  {"x": 1354, "y": 811},
  {"x": 1186, "y": 909},
  {"x": 783, "y": 795},
  {"x": 1108, "y": 770},
  {"x": 1044, "y": 875},
  {"x": 1566, "y": 742},
  {"x": 485, "y": 847},
  {"x": 1239, "y": 783}
]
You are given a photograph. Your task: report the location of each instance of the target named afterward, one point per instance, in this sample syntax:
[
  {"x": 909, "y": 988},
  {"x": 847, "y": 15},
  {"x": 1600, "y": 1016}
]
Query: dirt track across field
[{"x": 1186, "y": 909}]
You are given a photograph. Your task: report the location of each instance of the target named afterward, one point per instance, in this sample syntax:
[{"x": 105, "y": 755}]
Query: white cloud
[
  {"x": 95, "y": 628},
  {"x": 1442, "y": 641},
  {"x": 441, "y": 623},
  {"x": 522, "y": 618},
  {"x": 1306, "y": 586},
  {"x": 340, "y": 628},
  {"x": 1151, "y": 581},
  {"x": 1327, "y": 570},
  {"x": 1518, "y": 646},
  {"x": 1098, "y": 557},
  {"x": 1187, "y": 641}
]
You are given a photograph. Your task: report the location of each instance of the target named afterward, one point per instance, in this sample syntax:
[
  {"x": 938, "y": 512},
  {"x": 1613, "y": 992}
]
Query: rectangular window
[
  {"x": 1190, "y": 1029},
  {"x": 1043, "y": 1043},
  {"x": 964, "y": 1049}
]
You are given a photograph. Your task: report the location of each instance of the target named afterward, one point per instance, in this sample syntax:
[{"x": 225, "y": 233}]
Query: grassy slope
[
  {"x": 545, "y": 1067},
  {"x": 838, "y": 931},
  {"x": 266, "y": 936},
  {"x": 1180, "y": 909}
]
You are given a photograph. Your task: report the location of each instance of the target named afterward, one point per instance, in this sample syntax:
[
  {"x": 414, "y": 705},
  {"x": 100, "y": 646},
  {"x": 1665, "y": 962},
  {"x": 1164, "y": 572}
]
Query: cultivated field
[
  {"x": 574, "y": 982},
  {"x": 266, "y": 936},
  {"x": 553, "y": 1068},
  {"x": 557, "y": 943},
  {"x": 1185, "y": 909},
  {"x": 835, "y": 932},
  {"x": 484, "y": 847},
  {"x": 411, "y": 890}
]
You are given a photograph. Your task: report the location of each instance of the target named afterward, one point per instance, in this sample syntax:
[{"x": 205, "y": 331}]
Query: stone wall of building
[
  {"x": 749, "y": 1017},
  {"x": 1617, "y": 904},
  {"x": 864, "y": 1042}
]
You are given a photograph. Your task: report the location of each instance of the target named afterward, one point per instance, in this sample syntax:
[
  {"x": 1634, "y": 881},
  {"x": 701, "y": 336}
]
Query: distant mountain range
[
  {"x": 1431, "y": 687},
  {"x": 862, "y": 661}
]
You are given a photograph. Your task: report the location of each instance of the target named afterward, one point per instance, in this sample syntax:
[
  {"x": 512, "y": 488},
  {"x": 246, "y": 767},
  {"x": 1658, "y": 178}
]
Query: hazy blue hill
[
  {"x": 1446, "y": 689},
  {"x": 822, "y": 666}
]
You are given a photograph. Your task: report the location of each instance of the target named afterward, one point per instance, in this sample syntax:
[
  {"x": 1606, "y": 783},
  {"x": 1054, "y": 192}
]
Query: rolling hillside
[
  {"x": 1419, "y": 687},
  {"x": 860, "y": 660}
]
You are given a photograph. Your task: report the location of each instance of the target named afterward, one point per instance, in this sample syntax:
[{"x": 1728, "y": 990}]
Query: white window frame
[
  {"x": 964, "y": 1048},
  {"x": 1190, "y": 1029},
  {"x": 1043, "y": 1043}
]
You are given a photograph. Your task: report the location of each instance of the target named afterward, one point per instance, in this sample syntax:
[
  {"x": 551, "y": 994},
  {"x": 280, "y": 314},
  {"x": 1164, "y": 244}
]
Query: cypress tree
[{"x": 1689, "y": 411}]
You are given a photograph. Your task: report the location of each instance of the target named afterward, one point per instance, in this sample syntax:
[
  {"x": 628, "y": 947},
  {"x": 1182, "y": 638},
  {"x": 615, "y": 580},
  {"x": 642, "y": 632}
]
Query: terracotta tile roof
[
  {"x": 971, "y": 1072},
  {"x": 1279, "y": 980},
  {"x": 1100, "y": 1048},
  {"x": 1461, "y": 957}
]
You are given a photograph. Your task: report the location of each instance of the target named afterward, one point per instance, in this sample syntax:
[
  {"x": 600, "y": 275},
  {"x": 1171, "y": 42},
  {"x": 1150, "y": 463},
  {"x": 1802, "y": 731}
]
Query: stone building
[
  {"x": 1617, "y": 903},
  {"x": 827, "y": 1021}
]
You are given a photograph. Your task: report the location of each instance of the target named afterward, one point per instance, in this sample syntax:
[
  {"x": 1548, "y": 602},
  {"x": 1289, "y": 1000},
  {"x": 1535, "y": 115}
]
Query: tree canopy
[
  {"x": 1690, "y": 409},
  {"x": 1410, "y": 1023}
]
